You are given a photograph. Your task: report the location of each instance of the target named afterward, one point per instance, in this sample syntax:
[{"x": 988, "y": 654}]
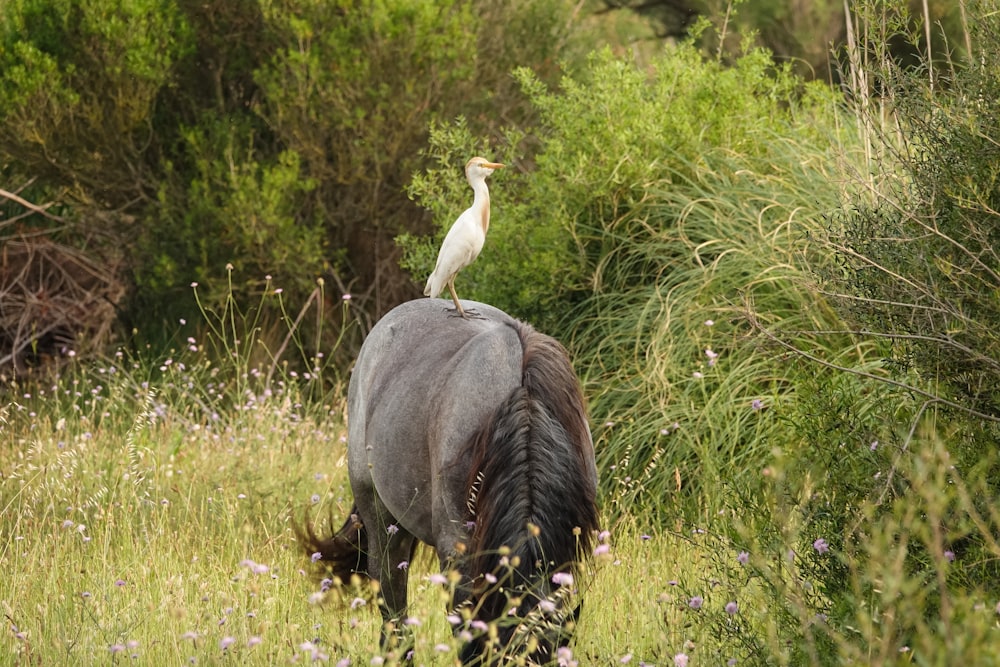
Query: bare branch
[
  {"x": 756, "y": 325},
  {"x": 28, "y": 205}
]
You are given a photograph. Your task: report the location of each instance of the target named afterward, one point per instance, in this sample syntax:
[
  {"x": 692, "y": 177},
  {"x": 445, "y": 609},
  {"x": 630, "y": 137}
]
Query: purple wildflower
[
  {"x": 821, "y": 545},
  {"x": 562, "y": 579},
  {"x": 696, "y": 602},
  {"x": 743, "y": 557},
  {"x": 564, "y": 657},
  {"x": 731, "y": 608}
]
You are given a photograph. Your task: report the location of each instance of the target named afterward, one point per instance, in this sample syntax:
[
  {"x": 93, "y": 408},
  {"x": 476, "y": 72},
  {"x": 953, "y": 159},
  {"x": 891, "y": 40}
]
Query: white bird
[{"x": 465, "y": 239}]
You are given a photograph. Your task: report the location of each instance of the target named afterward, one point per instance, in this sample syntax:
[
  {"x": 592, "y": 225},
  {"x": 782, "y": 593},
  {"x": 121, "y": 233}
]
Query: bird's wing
[{"x": 460, "y": 248}]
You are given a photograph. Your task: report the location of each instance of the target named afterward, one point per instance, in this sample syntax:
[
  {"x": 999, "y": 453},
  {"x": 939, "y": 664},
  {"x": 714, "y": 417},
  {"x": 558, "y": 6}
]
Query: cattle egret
[{"x": 466, "y": 237}]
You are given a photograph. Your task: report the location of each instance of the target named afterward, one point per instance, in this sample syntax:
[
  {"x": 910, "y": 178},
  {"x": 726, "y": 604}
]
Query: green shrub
[
  {"x": 273, "y": 136},
  {"x": 79, "y": 84},
  {"x": 897, "y": 468},
  {"x": 918, "y": 254}
]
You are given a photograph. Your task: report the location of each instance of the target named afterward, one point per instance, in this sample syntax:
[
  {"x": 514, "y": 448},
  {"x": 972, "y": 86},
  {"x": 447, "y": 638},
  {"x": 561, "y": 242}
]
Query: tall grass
[
  {"x": 138, "y": 525},
  {"x": 680, "y": 374}
]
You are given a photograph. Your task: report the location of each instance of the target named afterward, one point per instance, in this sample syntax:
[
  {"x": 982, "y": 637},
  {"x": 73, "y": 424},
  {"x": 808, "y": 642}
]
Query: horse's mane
[{"x": 531, "y": 477}]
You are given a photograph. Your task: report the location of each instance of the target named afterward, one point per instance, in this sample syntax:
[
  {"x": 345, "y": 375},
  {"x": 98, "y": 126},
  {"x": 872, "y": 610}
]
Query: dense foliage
[{"x": 275, "y": 137}]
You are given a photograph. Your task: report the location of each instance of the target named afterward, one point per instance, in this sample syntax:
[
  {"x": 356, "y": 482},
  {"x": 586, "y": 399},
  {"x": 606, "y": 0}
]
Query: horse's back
[{"x": 424, "y": 382}]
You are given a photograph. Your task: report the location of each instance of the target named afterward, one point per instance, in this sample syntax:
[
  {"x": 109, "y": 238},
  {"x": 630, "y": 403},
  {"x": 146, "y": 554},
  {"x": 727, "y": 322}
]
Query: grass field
[{"x": 149, "y": 521}]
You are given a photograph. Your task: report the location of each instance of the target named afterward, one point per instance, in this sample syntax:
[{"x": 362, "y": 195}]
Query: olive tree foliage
[{"x": 273, "y": 137}]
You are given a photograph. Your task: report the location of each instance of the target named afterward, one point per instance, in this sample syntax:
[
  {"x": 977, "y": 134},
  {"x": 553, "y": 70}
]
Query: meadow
[{"x": 146, "y": 518}]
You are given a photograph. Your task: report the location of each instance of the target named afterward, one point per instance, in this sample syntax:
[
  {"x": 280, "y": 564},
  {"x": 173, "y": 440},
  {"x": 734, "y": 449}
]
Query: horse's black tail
[
  {"x": 532, "y": 490},
  {"x": 343, "y": 553}
]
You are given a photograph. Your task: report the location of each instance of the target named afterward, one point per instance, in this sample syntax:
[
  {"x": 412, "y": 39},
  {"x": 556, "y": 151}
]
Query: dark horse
[{"x": 469, "y": 435}]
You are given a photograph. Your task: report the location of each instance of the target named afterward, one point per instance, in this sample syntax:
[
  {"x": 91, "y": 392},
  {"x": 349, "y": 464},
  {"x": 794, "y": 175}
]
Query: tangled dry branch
[{"x": 55, "y": 300}]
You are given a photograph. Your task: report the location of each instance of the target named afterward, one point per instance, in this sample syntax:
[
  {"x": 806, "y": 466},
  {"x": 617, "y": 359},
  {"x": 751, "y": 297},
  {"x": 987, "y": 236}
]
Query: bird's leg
[{"x": 454, "y": 297}]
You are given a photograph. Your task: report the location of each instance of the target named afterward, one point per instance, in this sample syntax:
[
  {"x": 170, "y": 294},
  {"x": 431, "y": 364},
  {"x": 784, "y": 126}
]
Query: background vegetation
[{"x": 781, "y": 298}]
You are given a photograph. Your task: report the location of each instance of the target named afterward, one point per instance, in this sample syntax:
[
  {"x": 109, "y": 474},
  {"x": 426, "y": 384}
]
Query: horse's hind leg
[{"x": 390, "y": 548}]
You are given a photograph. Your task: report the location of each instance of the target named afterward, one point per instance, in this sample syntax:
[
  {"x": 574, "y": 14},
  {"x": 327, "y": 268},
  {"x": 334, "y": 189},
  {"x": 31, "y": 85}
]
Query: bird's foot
[{"x": 465, "y": 314}]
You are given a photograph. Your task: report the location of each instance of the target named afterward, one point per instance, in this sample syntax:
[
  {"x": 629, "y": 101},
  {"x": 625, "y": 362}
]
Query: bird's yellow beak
[{"x": 493, "y": 165}]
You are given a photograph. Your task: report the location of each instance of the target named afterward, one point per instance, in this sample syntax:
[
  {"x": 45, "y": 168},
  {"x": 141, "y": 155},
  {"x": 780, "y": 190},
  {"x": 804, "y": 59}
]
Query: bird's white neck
[{"x": 481, "y": 202}]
